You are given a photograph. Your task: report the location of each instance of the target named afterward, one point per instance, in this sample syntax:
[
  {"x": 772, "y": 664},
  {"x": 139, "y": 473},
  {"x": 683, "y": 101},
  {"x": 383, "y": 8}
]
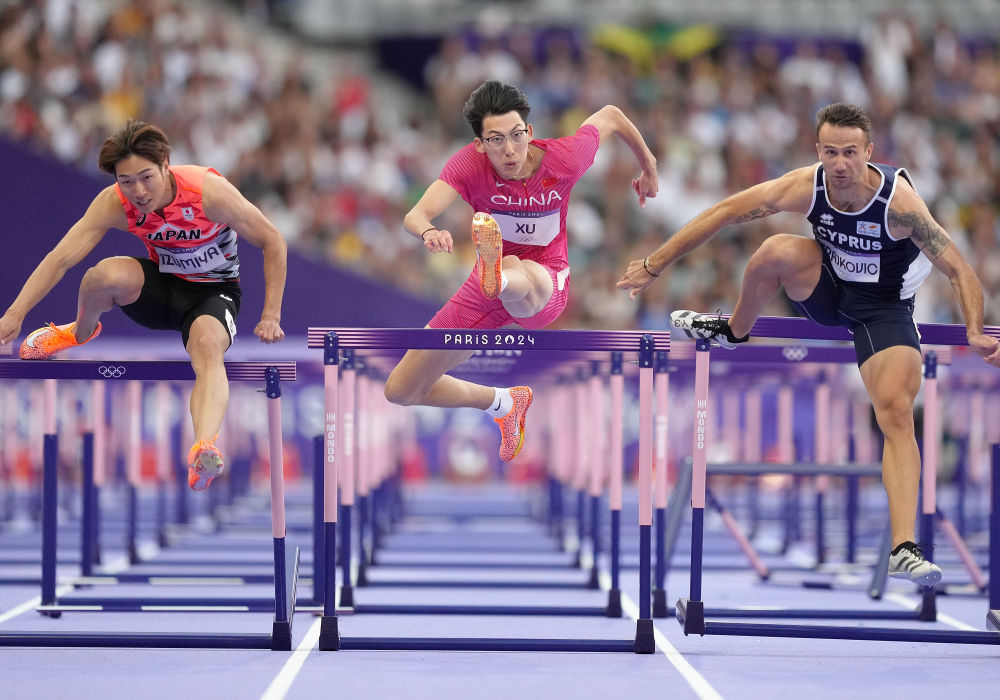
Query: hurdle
[
  {"x": 355, "y": 449},
  {"x": 357, "y": 454},
  {"x": 285, "y": 559},
  {"x": 755, "y": 359},
  {"x": 691, "y": 612},
  {"x": 593, "y": 462},
  {"x": 339, "y": 440}
]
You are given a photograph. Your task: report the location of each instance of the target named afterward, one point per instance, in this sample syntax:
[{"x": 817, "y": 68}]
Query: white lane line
[
  {"x": 282, "y": 683},
  {"x": 699, "y": 684},
  {"x": 912, "y": 604},
  {"x": 30, "y": 605},
  {"x": 117, "y": 564}
]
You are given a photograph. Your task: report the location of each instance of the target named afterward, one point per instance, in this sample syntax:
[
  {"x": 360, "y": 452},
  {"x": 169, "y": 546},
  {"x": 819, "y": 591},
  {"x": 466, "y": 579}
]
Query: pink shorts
[{"x": 468, "y": 308}]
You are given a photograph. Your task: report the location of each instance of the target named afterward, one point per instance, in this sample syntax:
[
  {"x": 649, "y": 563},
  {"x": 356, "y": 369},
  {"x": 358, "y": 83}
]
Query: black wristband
[
  {"x": 645, "y": 265},
  {"x": 432, "y": 228}
]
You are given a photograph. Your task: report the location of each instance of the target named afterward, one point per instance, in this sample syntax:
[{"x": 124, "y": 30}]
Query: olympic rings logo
[
  {"x": 794, "y": 353},
  {"x": 111, "y": 371}
]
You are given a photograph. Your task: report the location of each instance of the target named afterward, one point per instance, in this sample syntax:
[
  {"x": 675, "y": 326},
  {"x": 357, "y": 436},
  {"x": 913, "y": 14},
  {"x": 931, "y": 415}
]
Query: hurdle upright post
[
  {"x": 583, "y": 457},
  {"x": 691, "y": 611},
  {"x": 644, "y": 641},
  {"x": 93, "y": 446},
  {"x": 661, "y": 387},
  {"x": 615, "y": 463},
  {"x": 329, "y": 635},
  {"x": 928, "y": 477},
  {"x": 285, "y": 562},
  {"x": 50, "y": 493},
  {"x": 363, "y": 472},
  {"x": 133, "y": 468},
  {"x": 345, "y": 472},
  {"x": 993, "y": 616},
  {"x": 99, "y": 395},
  {"x": 595, "y": 418}
]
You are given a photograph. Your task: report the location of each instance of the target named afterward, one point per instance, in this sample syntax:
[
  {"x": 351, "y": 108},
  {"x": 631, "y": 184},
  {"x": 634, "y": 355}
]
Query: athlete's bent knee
[
  {"x": 399, "y": 393},
  {"x": 785, "y": 248},
  {"x": 115, "y": 276},
  {"x": 106, "y": 274}
]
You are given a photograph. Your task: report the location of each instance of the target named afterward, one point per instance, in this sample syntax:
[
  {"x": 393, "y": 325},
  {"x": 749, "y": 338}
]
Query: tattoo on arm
[
  {"x": 926, "y": 233},
  {"x": 758, "y": 213}
]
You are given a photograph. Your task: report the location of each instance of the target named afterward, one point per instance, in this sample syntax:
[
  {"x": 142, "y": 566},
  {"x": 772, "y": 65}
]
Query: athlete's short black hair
[
  {"x": 136, "y": 138},
  {"x": 494, "y": 98},
  {"x": 841, "y": 114}
]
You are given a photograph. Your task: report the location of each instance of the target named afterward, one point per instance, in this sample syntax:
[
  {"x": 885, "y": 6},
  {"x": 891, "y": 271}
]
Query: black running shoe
[{"x": 715, "y": 328}]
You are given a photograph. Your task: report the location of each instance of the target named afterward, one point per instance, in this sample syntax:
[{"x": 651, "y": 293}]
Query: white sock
[
  {"x": 503, "y": 283},
  {"x": 502, "y": 403}
]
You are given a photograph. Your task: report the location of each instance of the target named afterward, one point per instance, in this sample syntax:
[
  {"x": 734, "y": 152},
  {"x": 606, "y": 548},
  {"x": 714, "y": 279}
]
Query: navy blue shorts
[{"x": 875, "y": 324}]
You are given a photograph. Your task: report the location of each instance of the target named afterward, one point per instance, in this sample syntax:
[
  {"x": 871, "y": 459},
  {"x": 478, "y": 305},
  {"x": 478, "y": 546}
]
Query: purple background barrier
[{"x": 41, "y": 198}]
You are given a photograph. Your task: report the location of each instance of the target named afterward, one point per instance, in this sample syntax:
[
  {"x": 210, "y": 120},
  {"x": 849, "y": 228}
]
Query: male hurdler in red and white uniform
[
  {"x": 520, "y": 190},
  {"x": 187, "y": 217}
]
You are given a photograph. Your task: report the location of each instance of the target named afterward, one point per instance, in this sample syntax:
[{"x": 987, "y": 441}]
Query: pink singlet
[{"x": 532, "y": 217}]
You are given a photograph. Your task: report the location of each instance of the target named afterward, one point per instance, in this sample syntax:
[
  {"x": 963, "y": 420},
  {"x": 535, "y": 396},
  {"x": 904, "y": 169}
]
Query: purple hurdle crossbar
[
  {"x": 285, "y": 561},
  {"x": 335, "y": 340},
  {"x": 691, "y": 612}
]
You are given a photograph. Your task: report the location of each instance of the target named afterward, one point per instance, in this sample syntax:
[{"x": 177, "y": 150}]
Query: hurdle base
[
  {"x": 329, "y": 633},
  {"x": 928, "y": 606},
  {"x": 362, "y": 578},
  {"x": 346, "y": 597},
  {"x": 281, "y": 630},
  {"x": 993, "y": 619},
  {"x": 593, "y": 583},
  {"x": 484, "y": 644},
  {"x": 660, "y": 608},
  {"x": 281, "y": 636},
  {"x": 644, "y": 642},
  {"x": 614, "y": 608},
  {"x": 503, "y": 610},
  {"x": 137, "y": 640},
  {"x": 691, "y": 615}
]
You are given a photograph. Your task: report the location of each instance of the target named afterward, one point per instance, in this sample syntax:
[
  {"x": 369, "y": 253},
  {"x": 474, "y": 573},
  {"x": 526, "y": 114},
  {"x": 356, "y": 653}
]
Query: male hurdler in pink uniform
[{"x": 519, "y": 188}]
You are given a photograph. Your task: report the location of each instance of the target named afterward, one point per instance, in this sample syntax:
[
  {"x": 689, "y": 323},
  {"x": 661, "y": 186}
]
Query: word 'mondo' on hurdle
[
  {"x": 550, "y": 348},
  {"x": 692, "y": 613},
  {"x": 286, "y": 559}
]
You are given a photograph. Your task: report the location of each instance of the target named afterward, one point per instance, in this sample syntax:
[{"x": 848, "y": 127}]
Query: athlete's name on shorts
[
  {"x": 493, "y": 339},
  {"x": 195, "y": 261}
]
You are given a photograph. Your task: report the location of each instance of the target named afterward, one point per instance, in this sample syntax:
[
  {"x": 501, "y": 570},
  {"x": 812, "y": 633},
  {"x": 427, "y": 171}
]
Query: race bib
[
  {"x": 187, "y": 261},
  {"x": 853, "y": 267},
  {"x": 528, "y": 227}
]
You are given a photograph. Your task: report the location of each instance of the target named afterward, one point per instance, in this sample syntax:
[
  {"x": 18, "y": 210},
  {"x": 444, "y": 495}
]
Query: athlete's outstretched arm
[
  {"x": 104, "y": 212},
  {"x": 908, "y": 215},
  {"x": 791, "y": 192},
  {"x": 418, "y": 221},
  {"x": 611, "y": 120},
  {"x": 225, "y": 204}
]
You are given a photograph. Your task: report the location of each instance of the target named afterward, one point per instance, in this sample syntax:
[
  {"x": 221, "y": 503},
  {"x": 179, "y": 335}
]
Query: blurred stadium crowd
[{"x": 335, "y": 147}]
